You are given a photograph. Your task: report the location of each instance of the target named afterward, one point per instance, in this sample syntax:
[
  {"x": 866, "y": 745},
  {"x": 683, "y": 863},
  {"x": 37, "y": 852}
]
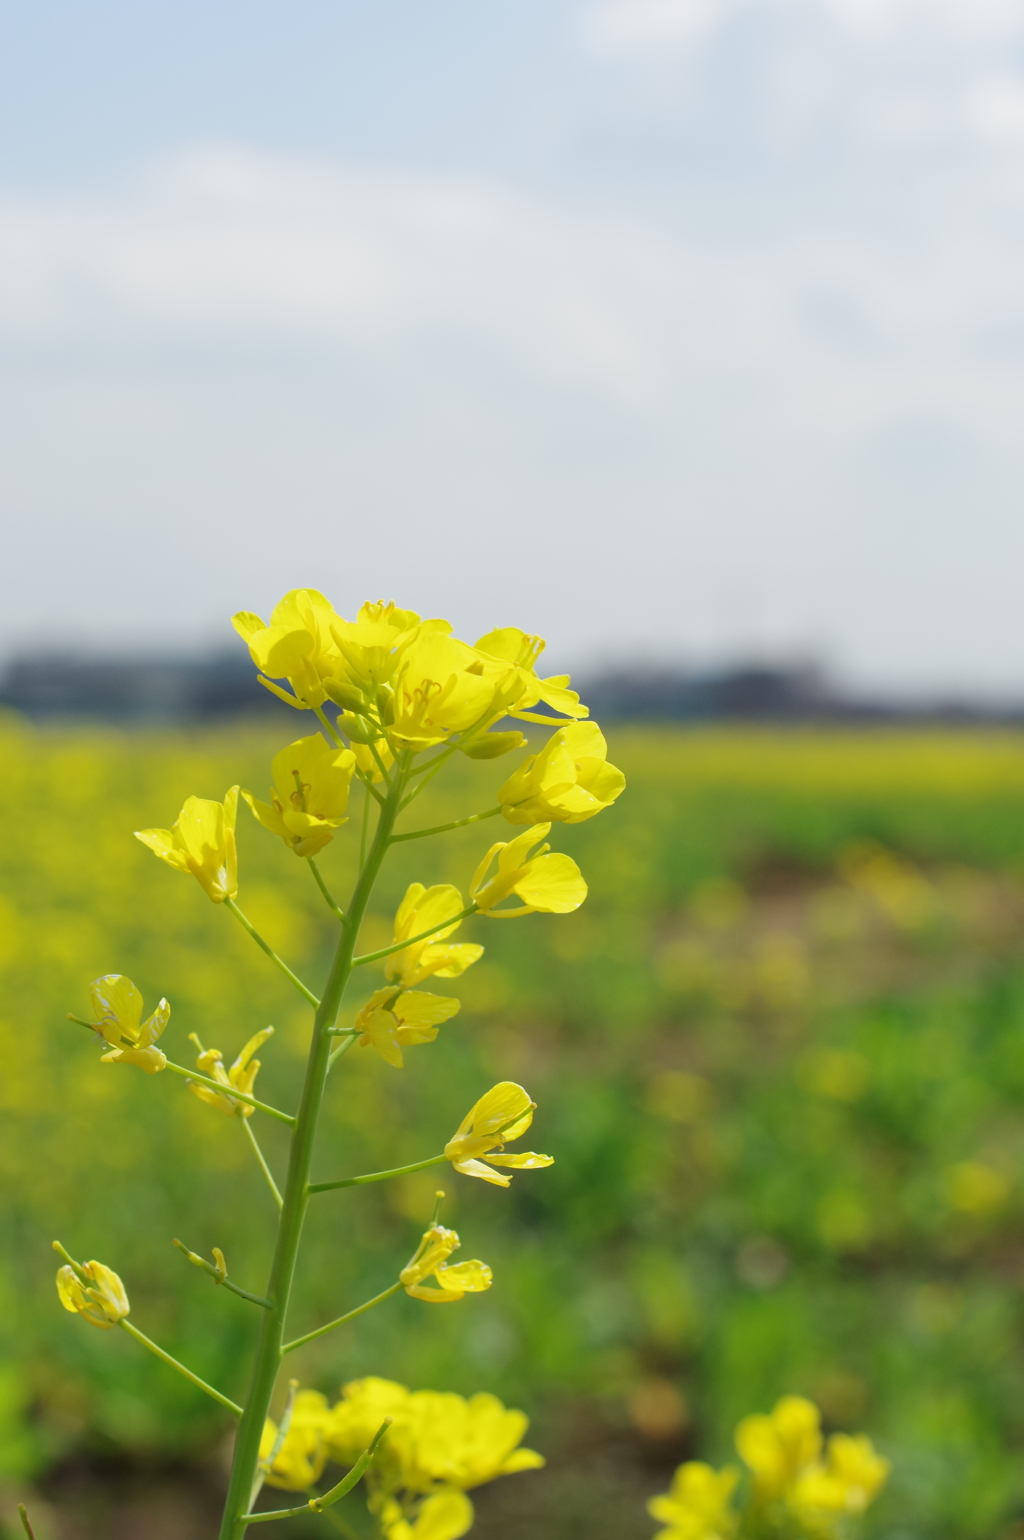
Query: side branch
[
  {"x": 220, "y": 1275},
  {"x": 336, "y": 910},
  {"x": 336, "y": 1493},
  {"x": 307, "y": 994},
  {"x": 133, "y": 1331},
  {"x": 443, "y": 828},
  {"x": 321, "y": 1331},
  {"x": 399, "y": 946},
  {"x": 377, "y": 1176},
  {"x": 238, "y": 1096}
]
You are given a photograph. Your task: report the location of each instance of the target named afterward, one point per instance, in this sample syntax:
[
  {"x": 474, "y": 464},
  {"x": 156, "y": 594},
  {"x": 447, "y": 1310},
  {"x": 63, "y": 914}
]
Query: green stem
[
  {"x": 322, "y": 1331},
  {"x": 434, "y": 767},
  {"x": 366, "y": 825},
  {"x": 26, "y": 1526},
  {"x": 399, "y": 946},
  {"x": 133, "y": 1331},
  {"x": 318, "y": 1504},
  {"x": 378, "y": 1176},
  {"x": 371, "y": 745},
  {"x": 238, "y": 1096},
  {"x": 442, "y": 828},
  {"x": 325, "y": 722},
  {"x": 278, "y": 962},
  {"x": 321, "y": 884},
  {"x": 247, "y": 1125},
  {"x": 282, "y": 1272},
  {"x": 343, "y": 1048},
  {"x": 221, "y": 1278}
]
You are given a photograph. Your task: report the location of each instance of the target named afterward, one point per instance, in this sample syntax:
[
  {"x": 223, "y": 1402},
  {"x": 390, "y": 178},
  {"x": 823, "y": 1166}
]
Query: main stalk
[{"x": 296, "y": 1195}]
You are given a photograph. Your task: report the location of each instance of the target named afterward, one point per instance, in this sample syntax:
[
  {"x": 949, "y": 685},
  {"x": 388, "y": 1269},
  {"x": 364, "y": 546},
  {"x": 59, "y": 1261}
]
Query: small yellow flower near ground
[
  {"x": 117, "y": 1007},
  {"x": 240, "y": 1077},
  {"x": 519, "y": 652},
  {"x": 297, "y": 646},
  {"x": 431, "y": 1261},
  {"x": 567, "y": 782},
  {"x": 202, "y": 842},
  {"x": 393, "y": 1019},
  {"x": 461, "y": 1442},
  {"x": 503, "y": 1114},
  {"x": 420, "y": 910},
  {"x": 779, "y": 1447},
  {"x": 698, "y": 1506},
  {"x": 546, "y": 881},
  {"x": 444, "y": 1515},
  {"x": 309, "y": 796},
  {"x": 440, "y": 688},
  {"x": 848, "y": 1481},
  {"x": 303, "y": 1454},
  {"x": 101, "y": 1301}
]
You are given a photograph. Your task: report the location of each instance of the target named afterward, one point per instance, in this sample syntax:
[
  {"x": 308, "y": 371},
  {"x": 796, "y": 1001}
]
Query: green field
[{"x": 778, "y": 1056}]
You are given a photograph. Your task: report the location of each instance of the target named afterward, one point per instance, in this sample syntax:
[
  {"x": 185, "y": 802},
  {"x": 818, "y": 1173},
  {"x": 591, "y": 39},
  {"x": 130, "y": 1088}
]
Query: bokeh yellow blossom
[
  {"x": 101, "y": 1300},
  {"x": 430, "y": 1260},
  {"x": 303, "y": 1453},
  {"x": 847, "y": 1481},
  {"x": 569, "y": 781},
  {"x": 444, "y": 1515},
  {"x": 296, "y": 646},
  {"x": 420, "y": 910},
  {"x": 240, "y": 1077},
  {"x": 503, "y": 1114},
  {"x": 780, "y": 1446},
  {"x": 309, "y": 796},
  {"x": 202, "y": 842},
  {"x": 548, "y": 882},
  {"x": 117, "y": 1009},
  {"x": 393, "y": 1019},
  {"x": 698, "y": 1505}
]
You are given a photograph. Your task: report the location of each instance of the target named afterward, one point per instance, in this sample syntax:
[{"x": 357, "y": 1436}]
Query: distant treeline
[{"x": 223, "y": 685}]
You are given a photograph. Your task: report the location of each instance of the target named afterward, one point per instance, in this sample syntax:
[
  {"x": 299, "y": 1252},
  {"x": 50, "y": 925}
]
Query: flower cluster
[
  {"x": 800, "y": 1485},
  {"x": 438, "y": 1447}
]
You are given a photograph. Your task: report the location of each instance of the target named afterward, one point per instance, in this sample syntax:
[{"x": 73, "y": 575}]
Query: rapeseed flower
[
  {"x": 511, "y": 655},
  {"x": 304, "y": 1450},
  {"x": 847, "y": 1481},
  {"x": 371, "y": 646},
  {"x": 430, "y": 1260},
  {"x": 779, "y": 1448},
  {"x": 440, "y": 688},
  {"x": 101, "y": 1300},
  {"x": 202, "y": 842},
  {"x": 567, "y": 782},
  {"x": 297, "y": 646},
  {"x": 444, "y": 1515},
  {"x": 547, "y": 881},
  {"x": 460, "y": 1442},
  {"x": 356, "y": 1417},
  {"x": 240, "y": 1077},
  {"x": 309, "y": 796},
  {"x": 504, "y": 1113},
  {"x": 393, "y": 1019},
  {"x": 117, "y": 1006},
  {"x": 420, "y": 910},
  {"x": 698, "y": 1505}
]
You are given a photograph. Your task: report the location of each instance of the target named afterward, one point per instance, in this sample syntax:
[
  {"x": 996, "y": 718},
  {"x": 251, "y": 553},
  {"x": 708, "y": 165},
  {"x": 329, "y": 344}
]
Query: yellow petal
[{"x": 465, "y": 1277}]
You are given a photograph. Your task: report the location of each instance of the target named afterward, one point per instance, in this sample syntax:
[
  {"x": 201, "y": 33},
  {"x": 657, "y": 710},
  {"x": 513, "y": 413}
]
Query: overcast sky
[{"x": 690, "y": 329}]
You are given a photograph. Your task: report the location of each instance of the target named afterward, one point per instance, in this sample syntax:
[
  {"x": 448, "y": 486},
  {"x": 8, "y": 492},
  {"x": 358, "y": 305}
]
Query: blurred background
[{"x": 690, "y": 334}]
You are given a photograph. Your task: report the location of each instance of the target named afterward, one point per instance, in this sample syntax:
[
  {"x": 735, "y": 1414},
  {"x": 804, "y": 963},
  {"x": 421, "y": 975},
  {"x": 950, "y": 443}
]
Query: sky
[{"x": 676, "y": 330}]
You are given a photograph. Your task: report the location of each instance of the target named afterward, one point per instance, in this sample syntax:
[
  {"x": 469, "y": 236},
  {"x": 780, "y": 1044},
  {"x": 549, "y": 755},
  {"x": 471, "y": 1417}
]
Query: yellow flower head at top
[
  {"x": 393, "y": 1019},
  {"x": 847, "y": 1481},
  {"x": 371, "y": 647},
  {"x": 440, "y": 688},
  {"x": 511, "y": 655},
  {"x": 309, "y": 796},
  {"x": 505, "y": 1113},
  {"x": 117, "y": 1007},
  {"x": 431, "y": 1261},
  {"x": 421, "y": 909},
  {"x": 297, "y": 646},
  {"x": 546, "y": 881},
  {"x": 202, "y": 842},
  {"x": 698, "y": 1505},
  {"x": 240, "y": 1077},
  {"x": 101, "y": 1299},
  {"x": 567, "y": 782},
  {"x": 779, "y": 1447}
]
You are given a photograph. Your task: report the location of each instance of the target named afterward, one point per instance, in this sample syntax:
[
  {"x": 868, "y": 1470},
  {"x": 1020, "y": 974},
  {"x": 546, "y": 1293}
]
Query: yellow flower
[
  {"x": 462, "y": 1443},
  {"x": 440, "y": 688},
  {"x": 309, "y": 795},
  {"x": 431, "y": 1261},
  {"x": 778, "y": 1448},
  {"x": 393, "y": 1019},
  {"x": 303, "y": 1454},
  {"x": 240, "y": 1077},
  {"x": 117, "y": 1006},
  {"x": 297, "y": 646},
  {"x": 371, "y": 647},
  {"x": 420, "y": 909},
  {"x": 699, "y": 1504},
  {"x": 568, "y": 781},
  {"x": 101, "y": 1301},
  {"x": 356, "y": 1417},
  {"x": 521, "y": 688},
  {"x": 848, "y": 1481},
  {"x": 444, "y": 1515},
  {"x": 202, "y": 842},
  {"x": 547, "y": 882},
  {"x": 505, "y": 1113},
  {"x": 364, "y": 755}
]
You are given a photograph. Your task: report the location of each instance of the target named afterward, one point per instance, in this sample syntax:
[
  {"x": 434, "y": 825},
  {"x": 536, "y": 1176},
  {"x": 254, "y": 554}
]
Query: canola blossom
[
  {"x": 202, "y": 842},
  {"x": 503, "y": 1114},
  {"x": 98, "y": 1297},
  {"x": 546, "y": 881},
  {"x": 569, "y": 781},
  {"x": 698, "y": 1505},
  {"x": 430, "y": 1261},
  {"x": 426, "y": 909},
  {"x": 117, "y": 1007},
  {"x": 240, "y": 1077},
  {"x": 393, "y": 1019},
  {"x": 309, "y": 796}
]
